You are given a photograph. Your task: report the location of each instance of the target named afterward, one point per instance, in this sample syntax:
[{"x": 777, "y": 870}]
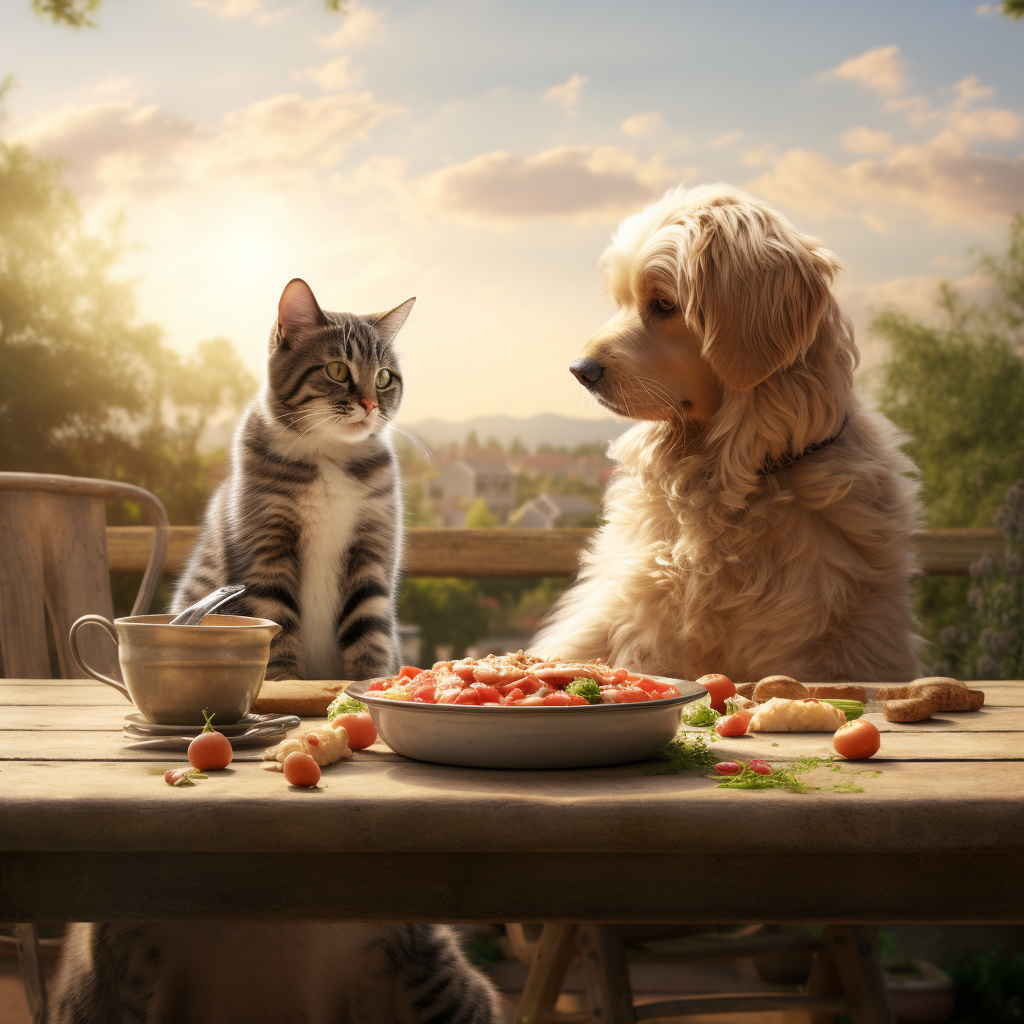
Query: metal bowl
[{"x": 576, "y": 736}]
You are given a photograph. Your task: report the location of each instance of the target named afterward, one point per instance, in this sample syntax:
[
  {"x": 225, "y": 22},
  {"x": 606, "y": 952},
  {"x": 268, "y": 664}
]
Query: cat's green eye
[
  {"x": 383, "y": 378},
  {"x": 337, "y": 371}
]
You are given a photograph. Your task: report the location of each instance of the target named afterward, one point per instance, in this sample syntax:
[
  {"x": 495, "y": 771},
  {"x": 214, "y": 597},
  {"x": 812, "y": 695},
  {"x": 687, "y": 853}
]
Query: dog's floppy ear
[{"x": 757, "y": 294}]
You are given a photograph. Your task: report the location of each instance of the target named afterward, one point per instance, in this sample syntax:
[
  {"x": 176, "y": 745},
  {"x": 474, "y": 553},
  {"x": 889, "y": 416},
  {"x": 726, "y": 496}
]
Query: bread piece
[
  {"x": 779, "y": 686},
  {"x": 913, "y": 709},
  {"x": 781, "y": 715},
  {"x": 954, "y": 700},
  {"x": 838, "y": 692},
  {"x": 746, "y": 690},
  {"x": 919, "y": 684}
]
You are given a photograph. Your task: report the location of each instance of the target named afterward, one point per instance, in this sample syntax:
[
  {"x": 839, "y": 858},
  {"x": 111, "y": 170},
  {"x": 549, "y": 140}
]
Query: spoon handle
[{"x": 192, "y": 615}]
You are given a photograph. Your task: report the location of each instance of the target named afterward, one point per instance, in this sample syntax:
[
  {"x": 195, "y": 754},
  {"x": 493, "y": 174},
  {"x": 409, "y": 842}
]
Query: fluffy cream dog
[{"x": 761, "y": 519}]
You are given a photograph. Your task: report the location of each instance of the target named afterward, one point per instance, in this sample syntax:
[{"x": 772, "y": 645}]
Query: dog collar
[{"x": 787, "y": 460}]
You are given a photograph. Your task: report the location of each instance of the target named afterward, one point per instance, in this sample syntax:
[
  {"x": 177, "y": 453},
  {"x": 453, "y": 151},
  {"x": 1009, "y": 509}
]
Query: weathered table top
[{"x": 90, "y": 831}]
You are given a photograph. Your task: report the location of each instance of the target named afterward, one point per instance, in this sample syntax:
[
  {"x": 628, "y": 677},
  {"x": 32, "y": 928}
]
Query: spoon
[{"x": 194, "y": 613}]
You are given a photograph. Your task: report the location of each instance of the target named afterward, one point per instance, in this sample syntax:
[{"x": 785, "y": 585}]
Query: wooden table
[{"x": 90, "y": 831}]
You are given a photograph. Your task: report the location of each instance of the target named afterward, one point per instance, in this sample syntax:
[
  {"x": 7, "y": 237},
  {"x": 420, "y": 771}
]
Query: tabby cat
[
  {"x": 211, "y": 973},
  {"x": 309, "y": 518}
]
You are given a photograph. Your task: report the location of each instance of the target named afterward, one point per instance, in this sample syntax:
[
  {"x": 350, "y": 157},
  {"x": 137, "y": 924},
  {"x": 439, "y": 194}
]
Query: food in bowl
[{"x": 521, "y": 680}]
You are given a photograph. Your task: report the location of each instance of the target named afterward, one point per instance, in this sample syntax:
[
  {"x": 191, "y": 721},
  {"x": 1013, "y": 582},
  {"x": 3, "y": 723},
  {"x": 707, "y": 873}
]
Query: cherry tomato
[
  {"x": 761, "y": 767},
  {"x": 857, "y": 740},
  {"x": 301, "y": 770},
  {"x": 733, "y": 725},
  {"x": 719, "y": 687},
  {"x": 409, "y": 671},
  {"x": 728, "y": 768},
  {"x": 210, "y": 751},
  {"x": 360, "y": 728}
]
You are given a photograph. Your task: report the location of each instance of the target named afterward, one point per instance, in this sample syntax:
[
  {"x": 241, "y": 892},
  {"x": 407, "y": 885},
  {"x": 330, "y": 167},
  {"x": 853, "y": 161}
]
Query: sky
[{"x": 480, "y": 154}]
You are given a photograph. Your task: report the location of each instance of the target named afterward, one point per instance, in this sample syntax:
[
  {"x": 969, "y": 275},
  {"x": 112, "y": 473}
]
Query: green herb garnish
[
  {"x": 585, "y": 688},
  {"x": 699, "y": 713},
  {"x": 342, "y": 705},
  {"x": 685, "y": 755}
]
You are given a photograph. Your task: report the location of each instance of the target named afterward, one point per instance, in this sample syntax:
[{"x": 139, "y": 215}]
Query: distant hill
[{"x": 547, "y": 428}]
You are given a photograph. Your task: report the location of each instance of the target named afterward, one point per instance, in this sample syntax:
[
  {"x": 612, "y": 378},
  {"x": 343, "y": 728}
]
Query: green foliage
[
  {"x": 78, "y": 13},
  {"x": 991, "y": 644},
  {"x": 1013, "y": 9},
  {"x": 989, "y": 987},
  {"x": 479, "y": 515},
  {"x": 85, "y": 389},
  {"x": 957, "y": 387},
  {"x": 447, "y": 611},
  {"x": 342, "y": 705}
]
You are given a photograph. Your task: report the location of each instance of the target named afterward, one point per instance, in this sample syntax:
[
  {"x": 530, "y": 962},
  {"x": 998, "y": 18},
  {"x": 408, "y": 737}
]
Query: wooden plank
[
  {"x": 376, "y": 802},
  {"x": 441, "y": 887},
  {"x": 950, "y": 552},
  {"x": 507, "y": 552}
]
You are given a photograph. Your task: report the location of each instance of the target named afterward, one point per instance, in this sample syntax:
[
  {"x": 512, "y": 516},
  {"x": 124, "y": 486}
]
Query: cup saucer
[{"x": 137, "y": 726}]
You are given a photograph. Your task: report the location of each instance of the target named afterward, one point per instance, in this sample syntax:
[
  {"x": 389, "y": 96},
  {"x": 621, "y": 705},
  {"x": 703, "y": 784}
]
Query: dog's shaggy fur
[{"x": 730, "y": 346}]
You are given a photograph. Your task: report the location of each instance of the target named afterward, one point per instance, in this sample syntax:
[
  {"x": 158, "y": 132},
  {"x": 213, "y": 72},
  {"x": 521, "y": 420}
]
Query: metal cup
[{"x": 174, "y": 672}]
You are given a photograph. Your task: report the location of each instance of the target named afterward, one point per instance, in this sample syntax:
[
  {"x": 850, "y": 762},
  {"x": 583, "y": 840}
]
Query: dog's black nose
[{"x": 586, "y": 371}]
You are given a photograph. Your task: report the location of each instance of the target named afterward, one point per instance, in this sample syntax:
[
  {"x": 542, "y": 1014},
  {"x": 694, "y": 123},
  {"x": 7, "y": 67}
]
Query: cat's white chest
[{"x": 329, "y": 512}]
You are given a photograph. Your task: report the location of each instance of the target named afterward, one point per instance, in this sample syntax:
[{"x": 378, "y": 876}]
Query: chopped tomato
[
  {"x": 621, "y": 676},
  {"x": 648, "y": 684},
  {"x": 409, "y": 672},
  {"x": 464, "y": 672},
  {"x": 629, "y": 695},
  {"x": 426, "y": 693},
  {"x": 530, "y": 684},
  {"x": 469, "y": 695},
  {"x": 562, "y": 699},
  {"x": 378, "y": 684},
  {"x": 512, "y": 695},
  {"x": 733, "y": 725},
  {"x": 488, "y": 694}
]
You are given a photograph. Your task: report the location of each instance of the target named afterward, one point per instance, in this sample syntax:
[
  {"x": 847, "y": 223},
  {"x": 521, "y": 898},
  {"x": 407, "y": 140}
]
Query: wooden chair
[
  {"x": 845, "y": 976},
  {"x": 54, "y": 567}
]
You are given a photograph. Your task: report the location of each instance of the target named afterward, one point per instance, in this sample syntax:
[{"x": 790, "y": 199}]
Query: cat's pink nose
[{"x": 368, "y": 404}]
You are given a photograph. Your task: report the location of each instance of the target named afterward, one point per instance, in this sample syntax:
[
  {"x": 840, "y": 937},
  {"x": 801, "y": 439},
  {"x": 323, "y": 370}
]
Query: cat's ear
[
  {"x": 297, "y": 310},
  {"x": 390, "y": 323}
]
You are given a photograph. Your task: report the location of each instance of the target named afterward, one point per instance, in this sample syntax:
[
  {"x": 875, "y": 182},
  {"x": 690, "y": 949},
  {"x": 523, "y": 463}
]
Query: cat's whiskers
[
  {"x": 424, "y": 450},
  {"x": 295, "y": 420},
  {"x": 326, "y": 417}
]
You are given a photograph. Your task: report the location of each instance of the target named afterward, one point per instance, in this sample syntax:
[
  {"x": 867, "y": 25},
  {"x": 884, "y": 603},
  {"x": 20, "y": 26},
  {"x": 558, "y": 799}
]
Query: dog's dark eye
[{"x": 662, "y": 307}]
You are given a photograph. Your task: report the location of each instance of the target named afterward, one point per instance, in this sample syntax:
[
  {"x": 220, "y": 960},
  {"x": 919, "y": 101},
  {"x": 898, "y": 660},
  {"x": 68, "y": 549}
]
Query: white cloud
[
  {"x": 940, "y": 180},
  {"x": 762, "y": 155},
  {"x": 566, "y": 182},
  {"x": 865, "y": 140},
  {"x": 333, "y": 75},
  {"x": 362, "y": 25},
  {"x": 982, "y": 9},
  {"x": 568, "y": 93},
  {"x": 642, "y": 124},
  {"x": 231, "y": 9},
  {"x": 121, "y": 148},
  {"x": 880, "y": 70},
  {"x": 727, "y": 139}
]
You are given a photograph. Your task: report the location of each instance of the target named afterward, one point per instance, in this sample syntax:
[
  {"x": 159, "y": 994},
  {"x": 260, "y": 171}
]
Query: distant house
[
  {"x": 544, "y": 463},
  {"x": 461, "y": 481},
  {"x": 551, "y": 510}
]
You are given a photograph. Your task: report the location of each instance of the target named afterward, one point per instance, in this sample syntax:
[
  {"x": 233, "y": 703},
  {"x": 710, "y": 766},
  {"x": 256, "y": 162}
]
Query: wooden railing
[{"x": 502, "y": 552}]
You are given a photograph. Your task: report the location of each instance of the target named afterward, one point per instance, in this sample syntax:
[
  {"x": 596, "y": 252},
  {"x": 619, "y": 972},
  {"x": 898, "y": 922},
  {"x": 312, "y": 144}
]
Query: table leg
[
  {"x": 609, "y": 995},
  {"x": 551, "y": 961},
  {"x": 854, "y": 950},
  {"x": 27, "y": 938}
]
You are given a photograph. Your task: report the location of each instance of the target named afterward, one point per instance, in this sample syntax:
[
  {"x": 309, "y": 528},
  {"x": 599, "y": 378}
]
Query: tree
[
  {"x": 84, "y": 388},
  {"x": 448, "y": 612},
  {"x": 957, "y": 387},
  {"x": 78, "y": 13},
  {"x": 1013, "y": 9},
  {"x": 480, "y": 515}
]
